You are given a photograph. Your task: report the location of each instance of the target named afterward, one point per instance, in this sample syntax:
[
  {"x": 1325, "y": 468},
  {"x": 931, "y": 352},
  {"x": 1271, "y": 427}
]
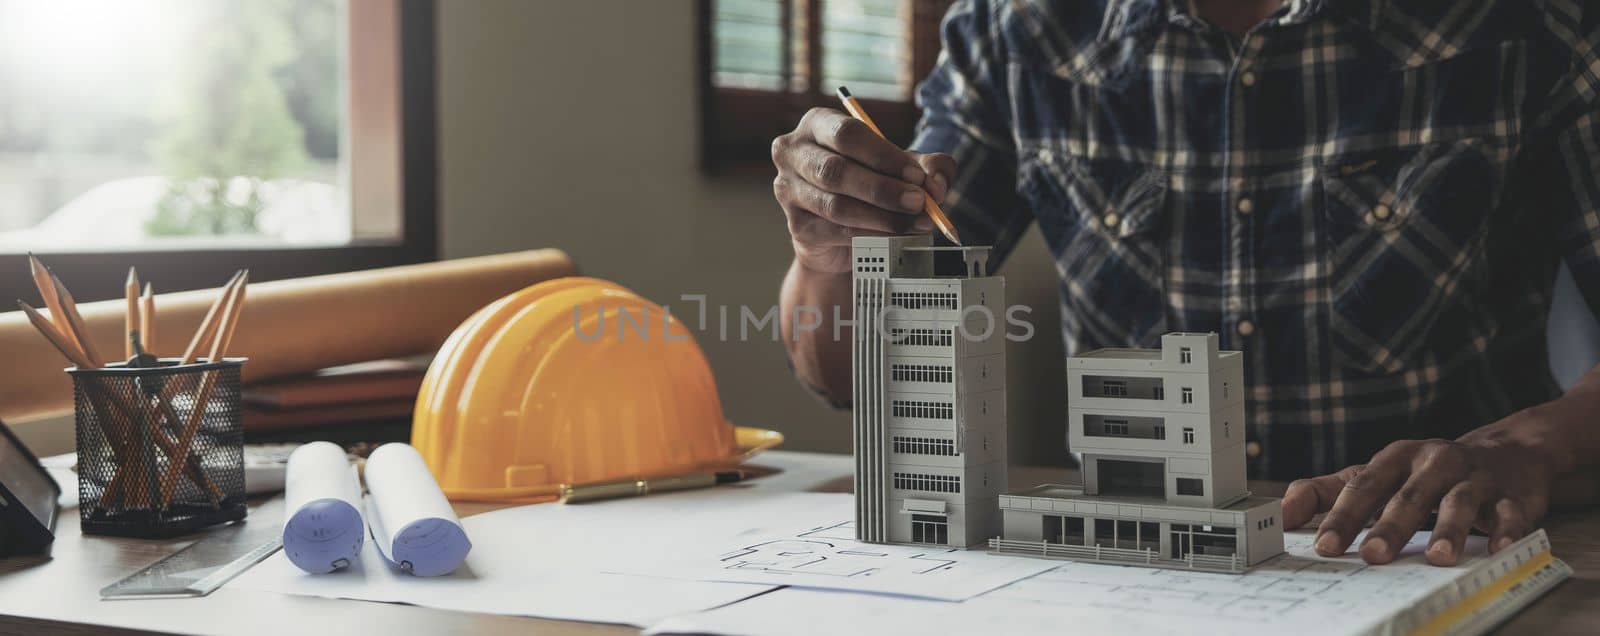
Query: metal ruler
[
  {"x": 202, "y": 567},
  {"x": 1494, "y": 590}
]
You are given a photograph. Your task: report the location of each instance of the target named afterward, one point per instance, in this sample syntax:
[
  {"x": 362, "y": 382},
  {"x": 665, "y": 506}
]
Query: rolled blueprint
[
  {"x": 413, "y": 524},
  {"x": 323, "y": 530},
  {"x": 288, "y": 327}
]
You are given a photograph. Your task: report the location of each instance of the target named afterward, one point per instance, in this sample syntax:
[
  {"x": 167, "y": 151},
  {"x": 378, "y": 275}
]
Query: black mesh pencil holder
[{"x": 160, "y": 449}]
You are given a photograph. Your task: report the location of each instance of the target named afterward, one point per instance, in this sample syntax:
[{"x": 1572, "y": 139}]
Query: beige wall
[{"x": 574, "y": 124}]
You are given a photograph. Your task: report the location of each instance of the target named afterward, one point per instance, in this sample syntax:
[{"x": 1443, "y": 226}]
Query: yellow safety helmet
[{"x": 570, "y": 381}]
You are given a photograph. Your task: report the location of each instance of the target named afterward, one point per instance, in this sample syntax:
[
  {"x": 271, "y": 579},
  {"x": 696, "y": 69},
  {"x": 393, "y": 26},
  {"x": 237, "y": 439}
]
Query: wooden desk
[{"x": 61, "y": 594}]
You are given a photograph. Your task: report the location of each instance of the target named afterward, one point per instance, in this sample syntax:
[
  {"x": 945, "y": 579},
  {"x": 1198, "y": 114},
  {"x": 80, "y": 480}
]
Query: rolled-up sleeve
[{"x": 966, "y": 114}]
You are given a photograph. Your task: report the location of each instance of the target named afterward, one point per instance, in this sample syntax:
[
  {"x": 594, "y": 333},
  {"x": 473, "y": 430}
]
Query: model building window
[
  {"x": 1188, "y": 395},
  {"x": 923, "y": 300},
  {"x": 1149, "y": 536},
  {"x": 1191, "y": 487},
  {"x": 922, "y": 337},
  {"x": 927, "y": 483},
  {"x": 763, "y": 63},
  {"x": 1215, "y": 541},
  {"x": 1128, "y": 535},
  {"x": 933, "y": 529},
  {"x": 1185, "y": 356},
  {"x": 1188, "y": 435},
  {"x": 922, "y": 373},
  {"x": 924, "y": 446},
  {"x": 1202, "y": 540},
  {"x": 1063, "y": 530},
  {"x": 1105, "y": 534},
  {"x": 1123, "y": 387},
  {"x": 1136, "y": 427},
  {"x": 923, "y": 410}
]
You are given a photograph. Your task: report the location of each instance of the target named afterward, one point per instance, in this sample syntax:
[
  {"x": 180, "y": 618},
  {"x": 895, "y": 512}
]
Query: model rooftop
[{"x": 1122, "y": 353}]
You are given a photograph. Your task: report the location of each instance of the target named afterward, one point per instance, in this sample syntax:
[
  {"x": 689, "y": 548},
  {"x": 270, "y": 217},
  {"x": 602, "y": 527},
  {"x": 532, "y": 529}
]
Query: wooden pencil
[
  {"x": 97, "y": 401},
  {"x": 147, "y": 320},
  {"x": 219, "y": 351},
  {"x": 929, "y": 206},
  {"x": 74, "y": 320},
  {"x": 55, "y": 337},
  {"x": 208, "y": 324},
  {"x": 130, "y": 322},
  {"x": 47, "y": 291}
]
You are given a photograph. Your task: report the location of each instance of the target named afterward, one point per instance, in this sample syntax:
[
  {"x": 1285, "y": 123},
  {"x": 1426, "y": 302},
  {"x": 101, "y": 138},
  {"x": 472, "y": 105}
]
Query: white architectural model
[
  {"x": 1161, "y": 431},
  {"x": 929, "y": 394},
  {"x": 1162, "y": 437}
]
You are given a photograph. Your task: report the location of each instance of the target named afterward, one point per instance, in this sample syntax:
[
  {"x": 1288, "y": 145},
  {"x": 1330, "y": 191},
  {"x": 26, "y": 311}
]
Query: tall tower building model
[
  {"x": 1161, "y": 431},
  {"x": 929, "y": 394}
]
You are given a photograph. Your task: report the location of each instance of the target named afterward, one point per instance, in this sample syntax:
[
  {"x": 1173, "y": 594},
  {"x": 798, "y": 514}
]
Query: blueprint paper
[
  {"x": 478, "y": 587},
  {"x": 827, "y": 556},
  {"x": 1298, "y": 593},
  {"x": 553, "y": 561}
]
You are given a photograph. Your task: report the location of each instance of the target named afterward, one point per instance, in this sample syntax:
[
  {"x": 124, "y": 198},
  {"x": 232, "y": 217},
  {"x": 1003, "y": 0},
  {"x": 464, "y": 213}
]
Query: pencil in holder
[{"x": 160, "y": 448}]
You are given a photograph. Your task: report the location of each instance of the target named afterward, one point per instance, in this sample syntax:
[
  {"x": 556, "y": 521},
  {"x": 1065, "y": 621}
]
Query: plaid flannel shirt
[{"x": 1370, "y": 198}]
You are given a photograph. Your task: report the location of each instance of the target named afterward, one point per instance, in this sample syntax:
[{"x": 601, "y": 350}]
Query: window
[
  {"x": 1188, "y": 395},
  {"x": 1123, "y": 387},
  {"x": 927, "y": 483},
  {"x": 925, "y": 446},
  {"x": 1191, "y": 487},
  {"x": 1063, "y": 530},
  {"x": 1188, "y": 435},
  {"x": 923, "y": 300},
  {"x": 933, "y": 529},
  {"x": 1204, "y": 540},
  {"x": 1104, "y": 533},
  {"x": 1185, "y": 356},
  {"x": 922, "y": 337},
  {"x": 922, "y": 373},
  {"x": 769, "y": 61},
  {"x": 1122, "y": 478},
  {"x": 1128, "y": 535},
  {"x": 1149, "y": 536},
  {"x": 1134, "y": 427},
  {"x": 115, "y": 146},
  {"x": 922, "y": 410}
]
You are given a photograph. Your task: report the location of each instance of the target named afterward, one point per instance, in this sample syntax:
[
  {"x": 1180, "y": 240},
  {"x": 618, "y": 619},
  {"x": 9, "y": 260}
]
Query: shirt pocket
[
  {"x": 1104, "y": 221},
  {"x": 1403, "y": 238}
]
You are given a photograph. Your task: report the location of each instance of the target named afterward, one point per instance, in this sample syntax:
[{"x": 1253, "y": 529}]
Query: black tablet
[{"x": 27, "y": 499}]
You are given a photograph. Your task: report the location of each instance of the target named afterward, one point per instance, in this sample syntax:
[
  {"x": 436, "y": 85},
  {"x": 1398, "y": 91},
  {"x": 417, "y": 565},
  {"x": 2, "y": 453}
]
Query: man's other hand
[
  {"x": 838, "y": 180},
  {"x": 1500, "y": 479}
]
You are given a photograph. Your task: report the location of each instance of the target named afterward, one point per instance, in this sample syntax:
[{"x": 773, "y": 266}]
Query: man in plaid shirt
[{"x": 1370, "y": 198}]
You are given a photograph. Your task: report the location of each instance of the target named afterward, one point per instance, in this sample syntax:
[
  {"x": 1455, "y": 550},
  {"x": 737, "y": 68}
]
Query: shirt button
[
  {"x": 1382, "y": 212},
  {"x": 1111, "y": 219},
  {"x": 1248, "y": 78},
  {"x": 1252, "y": 449},
  {"x": 1246, "y": 327},
  {"x": 1246, "y": 206}
]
